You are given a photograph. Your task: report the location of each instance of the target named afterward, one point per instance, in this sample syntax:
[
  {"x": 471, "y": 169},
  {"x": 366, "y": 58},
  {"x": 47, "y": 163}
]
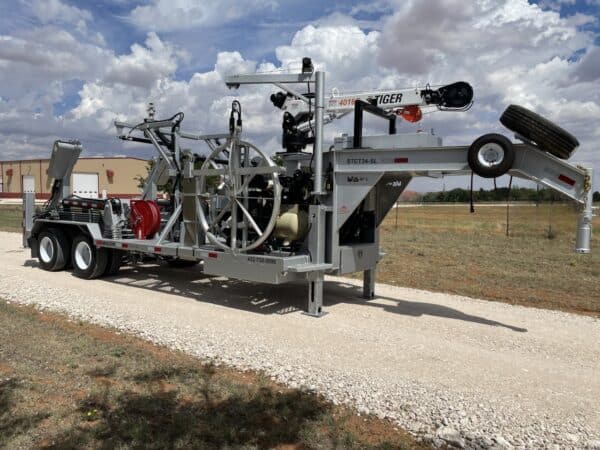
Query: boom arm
[{"x": 456, "y": 96}]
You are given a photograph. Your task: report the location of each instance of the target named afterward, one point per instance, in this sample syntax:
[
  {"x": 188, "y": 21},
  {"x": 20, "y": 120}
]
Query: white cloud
[
  {"x": 55, "y": 11},
  {"x": 204, "y": 98},
  {"x": 35, "y": 63},
  {"x": 511, "y": 52},
  {"x": 345, "y": 51},
  {"x": 145, "y": 64},
  {"x": 170, "y": 15}
]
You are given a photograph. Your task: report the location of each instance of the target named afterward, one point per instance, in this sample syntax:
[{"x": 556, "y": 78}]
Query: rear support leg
[
  {"x": 369, "y": 284},
  {"x": 315, "y": 295}
]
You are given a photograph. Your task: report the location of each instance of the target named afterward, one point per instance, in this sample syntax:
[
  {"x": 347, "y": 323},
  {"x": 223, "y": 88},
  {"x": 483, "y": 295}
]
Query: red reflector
[
  {"x": 400, "y": 160},
  {"x": 124, "y": 245},
  {"x": 98, "y": 242},
  {"x": 157, "y": 249},
  {"x": 567, "y": 180},
  {"x": 213, "y": 254}
]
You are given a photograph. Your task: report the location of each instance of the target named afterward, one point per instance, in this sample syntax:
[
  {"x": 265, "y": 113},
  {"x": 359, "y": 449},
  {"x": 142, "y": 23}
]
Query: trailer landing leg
[
  {"x": 369, "y": 284},
  {"x": 315, "y": 295}
]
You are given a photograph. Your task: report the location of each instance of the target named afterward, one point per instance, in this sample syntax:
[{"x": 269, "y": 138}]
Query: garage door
[
  {"x": 85, "y": 185},
  {"x": 28, "y": 184}
]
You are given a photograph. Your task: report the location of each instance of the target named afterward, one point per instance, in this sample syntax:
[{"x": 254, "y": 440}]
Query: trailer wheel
[
  {"x": 547, "y": 135},
  {"x": 88, "y": 261},
  {"x": 53, "y": 250},
  {"x": 115, "y": 259},
  {"x": 491, "y": 155}
]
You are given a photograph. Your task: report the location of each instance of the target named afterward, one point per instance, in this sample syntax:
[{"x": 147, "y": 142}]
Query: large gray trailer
[{"x": 297, "y": 216}]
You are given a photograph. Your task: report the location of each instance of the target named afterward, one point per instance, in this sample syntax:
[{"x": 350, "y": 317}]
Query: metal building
[{"x": 116, "y": 176}]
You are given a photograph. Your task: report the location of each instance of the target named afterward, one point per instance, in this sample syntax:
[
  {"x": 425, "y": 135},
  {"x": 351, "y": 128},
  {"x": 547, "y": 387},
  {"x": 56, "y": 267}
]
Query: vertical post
[
  {"x": 245, "y": 163},
  {"x": 234, "y": 164},
  {"x": 177, "y": 159},
  {"x": 318, "y": 146},
  {"x": 66, "y": 186},
  {"x": 584, "y": 223},
  {"x": 316, "y": 246},
  {"x": 28, "y": 211},
  {"x": 369, "y": 284},
  {"x": 315, "y": 295},
  {"x": 150, "y": 190}
]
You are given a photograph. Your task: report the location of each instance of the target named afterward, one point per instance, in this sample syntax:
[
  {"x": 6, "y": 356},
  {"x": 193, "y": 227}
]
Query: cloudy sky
[{"x": 69, "y": 68}]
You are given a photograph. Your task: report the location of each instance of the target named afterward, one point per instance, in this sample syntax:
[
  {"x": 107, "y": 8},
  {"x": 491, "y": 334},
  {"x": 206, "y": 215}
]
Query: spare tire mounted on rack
[{"x": 545, "y": 134}]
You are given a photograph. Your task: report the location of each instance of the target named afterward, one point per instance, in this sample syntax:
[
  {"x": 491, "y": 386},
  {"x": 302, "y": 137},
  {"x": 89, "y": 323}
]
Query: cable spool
[{"x": 144, "y": 218}]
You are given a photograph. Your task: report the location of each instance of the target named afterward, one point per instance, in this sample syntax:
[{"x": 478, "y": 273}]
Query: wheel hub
[
  {"x": 46, "y": 249},
  {"x": 490, "y": 155},
  {"x": 83, "y": 255}
]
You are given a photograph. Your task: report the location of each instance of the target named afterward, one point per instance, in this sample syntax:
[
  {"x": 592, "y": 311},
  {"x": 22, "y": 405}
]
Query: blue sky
[{"x": 68, "y": 68}]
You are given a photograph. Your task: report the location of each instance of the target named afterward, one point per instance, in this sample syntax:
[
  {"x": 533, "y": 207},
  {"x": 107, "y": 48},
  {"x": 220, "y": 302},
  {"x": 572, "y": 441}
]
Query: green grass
[
  {"x": 447, "y": 249},
  {"x": 11, "y": 218},
  {"x": 74, "y": 385}
]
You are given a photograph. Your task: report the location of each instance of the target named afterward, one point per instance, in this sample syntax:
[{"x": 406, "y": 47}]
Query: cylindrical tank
[{"x": 291, "y": 225}]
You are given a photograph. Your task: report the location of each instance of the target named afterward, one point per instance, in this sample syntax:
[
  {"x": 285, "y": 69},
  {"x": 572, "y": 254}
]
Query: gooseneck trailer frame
[{"x": 247, "y": 217}]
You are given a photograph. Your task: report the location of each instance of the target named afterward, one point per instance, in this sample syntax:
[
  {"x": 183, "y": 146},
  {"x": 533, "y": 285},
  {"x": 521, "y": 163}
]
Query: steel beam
[{"x": 234, "y": 81}]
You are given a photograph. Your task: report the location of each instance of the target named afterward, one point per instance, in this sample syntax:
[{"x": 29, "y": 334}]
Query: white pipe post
[
  {"x": 584, "y": 223},
  {"x": 318, "y": 146}
]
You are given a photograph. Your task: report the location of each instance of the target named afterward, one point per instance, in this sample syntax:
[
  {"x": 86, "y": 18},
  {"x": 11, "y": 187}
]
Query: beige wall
[
  {"x": 124, "y": 182},
  {"x": 125, "y": 173},
  {"x": 12, "y": 184}
]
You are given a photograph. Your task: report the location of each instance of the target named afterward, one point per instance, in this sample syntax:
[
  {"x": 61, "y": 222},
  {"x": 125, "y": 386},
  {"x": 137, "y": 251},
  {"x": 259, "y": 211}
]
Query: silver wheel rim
[
  {"x": 490, "y": 154},
  {"x": 46, "y": 249},
  {"x": 83, "y": 255}
]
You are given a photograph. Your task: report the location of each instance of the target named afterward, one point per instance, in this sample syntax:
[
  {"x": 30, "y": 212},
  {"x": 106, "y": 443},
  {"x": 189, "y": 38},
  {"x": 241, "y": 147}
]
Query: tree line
[{"x": 519, "y": 194}]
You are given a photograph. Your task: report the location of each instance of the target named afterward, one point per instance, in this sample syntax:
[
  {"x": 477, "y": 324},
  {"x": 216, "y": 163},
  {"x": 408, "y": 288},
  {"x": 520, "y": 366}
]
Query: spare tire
[{"x": 547, "y": 135}]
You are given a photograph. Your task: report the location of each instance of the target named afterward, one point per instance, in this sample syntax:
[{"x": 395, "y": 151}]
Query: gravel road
[{"x": 450, "y": 369}]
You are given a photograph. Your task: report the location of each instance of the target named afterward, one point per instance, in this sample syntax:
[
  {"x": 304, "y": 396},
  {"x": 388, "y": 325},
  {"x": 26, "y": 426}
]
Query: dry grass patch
[
  {"x": 73, "y": 385},
  {"x": 447, "y": 249}
]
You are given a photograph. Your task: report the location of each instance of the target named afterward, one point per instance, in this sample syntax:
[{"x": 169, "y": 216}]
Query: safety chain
[{"x": 587, "y": 183}]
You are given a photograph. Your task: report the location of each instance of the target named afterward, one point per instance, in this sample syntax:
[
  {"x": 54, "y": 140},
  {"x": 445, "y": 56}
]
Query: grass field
[
  {"x": 72, "y": 385},
  {"x": 11, "y": 218},
  {"x": 447, "y": 249}
]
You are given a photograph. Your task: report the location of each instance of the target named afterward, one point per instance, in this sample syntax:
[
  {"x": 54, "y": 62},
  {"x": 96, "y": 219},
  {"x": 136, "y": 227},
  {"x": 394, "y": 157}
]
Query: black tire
[
  {"x": 88, "y": 261},
  {"x": 547, "y": 135},
  {"x": 115, "y": 259},
  {"x": 491, "y": 155},
  {"x": 53, "y": 250}
]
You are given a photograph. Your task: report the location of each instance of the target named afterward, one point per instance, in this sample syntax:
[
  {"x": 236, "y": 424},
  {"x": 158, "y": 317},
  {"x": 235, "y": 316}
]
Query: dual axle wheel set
[{"x": 58, "y": 251}]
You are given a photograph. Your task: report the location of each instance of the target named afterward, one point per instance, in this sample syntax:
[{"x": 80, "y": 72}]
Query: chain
[{"x": 587, "y": 183}]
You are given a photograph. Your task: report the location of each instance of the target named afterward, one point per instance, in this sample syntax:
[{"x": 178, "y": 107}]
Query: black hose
[
  {"x": 472, "y": 206},
  {"x": 508, "y": 205}
]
